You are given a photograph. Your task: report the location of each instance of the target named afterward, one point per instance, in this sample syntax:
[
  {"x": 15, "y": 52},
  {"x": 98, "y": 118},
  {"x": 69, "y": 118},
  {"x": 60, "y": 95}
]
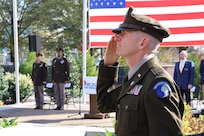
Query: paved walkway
[
  {"x": 50, "y": 122},
  {"x": 71, "y": 116}
]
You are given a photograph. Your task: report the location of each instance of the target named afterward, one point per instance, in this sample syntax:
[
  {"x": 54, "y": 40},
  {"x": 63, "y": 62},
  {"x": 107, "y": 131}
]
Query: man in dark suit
[
  {"x": 202, "y": 75},
  {"x": 147, "y": 103},
  {"x": 39, "y": 78},
  {"x": 184, "y": 75},
  {"x": 60, "y": 76}
]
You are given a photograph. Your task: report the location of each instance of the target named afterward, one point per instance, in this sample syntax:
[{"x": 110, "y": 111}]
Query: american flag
[{"x": 185, "y": 19}]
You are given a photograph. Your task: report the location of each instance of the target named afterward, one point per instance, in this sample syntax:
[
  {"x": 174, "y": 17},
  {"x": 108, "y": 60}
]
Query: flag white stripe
[
  {"x": 184, "y": 37},
  {"x": 148, "y": 10},
  {"x": 168, "y": 23},
  {"x": 171, "y": 38}
]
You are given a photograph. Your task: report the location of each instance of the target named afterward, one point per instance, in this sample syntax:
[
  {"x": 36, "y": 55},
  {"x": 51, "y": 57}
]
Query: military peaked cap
[
  {"x": 143, "y": 23},
  {"x": 59, "y": 49},
  {"x": 38, "y": 54}
]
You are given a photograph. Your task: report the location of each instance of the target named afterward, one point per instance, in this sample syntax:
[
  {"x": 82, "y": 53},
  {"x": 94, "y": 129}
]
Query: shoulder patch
[{"x": 162, "y": 89}]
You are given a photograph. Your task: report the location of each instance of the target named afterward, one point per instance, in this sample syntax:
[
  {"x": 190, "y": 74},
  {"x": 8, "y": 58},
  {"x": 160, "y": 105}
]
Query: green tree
[
  {"x": 90, "y": 65},
  {"x": 63, "y": 26},
  {"x": 91, "y": 69},
  {"x": 26, "y": 67},
  {"x": 74, "y": 68},
  {"x": 28, "y": 12},
  {"x": 58, "y": 22},
  {"x": 192, "y": 57}
]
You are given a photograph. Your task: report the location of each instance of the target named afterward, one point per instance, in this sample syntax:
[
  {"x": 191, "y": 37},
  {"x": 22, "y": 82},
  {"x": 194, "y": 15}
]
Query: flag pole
[
  {"x": 84, "y": 43},
  {"x": 15, "y": 34}
]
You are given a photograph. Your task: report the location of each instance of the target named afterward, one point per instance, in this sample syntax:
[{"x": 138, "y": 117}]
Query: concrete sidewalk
[
  {"x": 52, "y": 122},
  {"x": 74, "y": 115}
]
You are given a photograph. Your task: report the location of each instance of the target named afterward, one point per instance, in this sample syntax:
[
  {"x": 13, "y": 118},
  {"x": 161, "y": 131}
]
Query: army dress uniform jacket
[
  {"x": 60, "y": 70},
  {"x": 140, "y": 108},
  {"x": 39, "y": 73}
]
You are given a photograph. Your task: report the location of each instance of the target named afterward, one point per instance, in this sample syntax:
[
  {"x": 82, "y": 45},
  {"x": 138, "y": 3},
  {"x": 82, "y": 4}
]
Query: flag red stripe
[
  {"x": 106, "y": 18},
  {"x": 183, "y": 43},
  {"x": 176, "y": 44},
  {"x": 173, "y": 30},
  {"x": 187, "y": 30},
  {"x": 163, "y": 3},
  {"x": 159, "y": 17}
]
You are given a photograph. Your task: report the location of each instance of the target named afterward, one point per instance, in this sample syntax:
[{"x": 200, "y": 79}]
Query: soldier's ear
[{"x": 144, "y": 42}]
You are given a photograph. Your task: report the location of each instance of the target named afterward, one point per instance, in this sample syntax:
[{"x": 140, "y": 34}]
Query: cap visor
[{"x": 119, "y": 29}]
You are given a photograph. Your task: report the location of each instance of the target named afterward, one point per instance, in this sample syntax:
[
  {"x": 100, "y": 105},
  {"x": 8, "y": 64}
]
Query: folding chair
[
  {"x": 196, "y": 97},
  {"x": 49, "y": 91}
]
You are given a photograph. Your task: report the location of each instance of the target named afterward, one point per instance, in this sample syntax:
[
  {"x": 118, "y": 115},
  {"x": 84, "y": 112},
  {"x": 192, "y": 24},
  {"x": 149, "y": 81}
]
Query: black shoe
[
  {"x": 58, "y": 108},
  {"x": 38, "y": 108}
]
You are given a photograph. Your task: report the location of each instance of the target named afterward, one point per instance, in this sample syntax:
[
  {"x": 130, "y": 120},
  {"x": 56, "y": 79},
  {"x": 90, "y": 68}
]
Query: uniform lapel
[{"x": 127, "y": 85}]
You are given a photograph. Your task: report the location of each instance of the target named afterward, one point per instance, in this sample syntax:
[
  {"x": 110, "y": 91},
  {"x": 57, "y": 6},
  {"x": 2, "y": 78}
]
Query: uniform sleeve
[
  {"x": 175, "y": 72},
  {"x": 192, "y": 73},
  {"x": 45, "y": 72},
  {"x": 107, "y": 94},
  {"x": 32, "y": 74},
  {"x": 53, "y": 69},
  {"x": 67, "y": 70},
  {"x": 162, "y": 109},
  {"x": 202, "y": 71}
]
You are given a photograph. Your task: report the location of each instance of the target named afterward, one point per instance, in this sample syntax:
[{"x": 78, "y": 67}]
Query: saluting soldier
[
  {"x": 147, "y": 103},
  {"x": 60, "y": 76},
  {"x": 39, "y": 78}
]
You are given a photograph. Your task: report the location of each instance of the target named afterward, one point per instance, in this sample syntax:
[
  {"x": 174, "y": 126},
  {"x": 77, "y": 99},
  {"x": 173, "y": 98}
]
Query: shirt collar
[{"x": 135, "y": 68}]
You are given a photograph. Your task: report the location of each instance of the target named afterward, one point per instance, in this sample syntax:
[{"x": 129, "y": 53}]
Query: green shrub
[
  {"x": 3, "y": 84},
  {"x": 25, "y": 86},
  {"x": 8, "y": 123}
]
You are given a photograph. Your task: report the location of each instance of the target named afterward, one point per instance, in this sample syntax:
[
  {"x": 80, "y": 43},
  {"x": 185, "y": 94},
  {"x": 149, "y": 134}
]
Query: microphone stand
[
  {"x": 79, "y": 110},
  {"x": 29, "y": 95},
  {"x": 81, "y": 83}
]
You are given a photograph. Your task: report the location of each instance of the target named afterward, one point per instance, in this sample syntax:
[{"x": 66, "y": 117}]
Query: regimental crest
[
  {"x": 135, "y": 90},
  {"x": 162, "y": 89},
  {"x": 41, "y": 65},
  {"x": 62, "y": 61}
]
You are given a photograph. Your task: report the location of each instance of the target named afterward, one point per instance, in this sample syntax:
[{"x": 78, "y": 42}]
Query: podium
[
  {"x": 89, "y": 87},
  {"x": 94, "y": 113}
]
